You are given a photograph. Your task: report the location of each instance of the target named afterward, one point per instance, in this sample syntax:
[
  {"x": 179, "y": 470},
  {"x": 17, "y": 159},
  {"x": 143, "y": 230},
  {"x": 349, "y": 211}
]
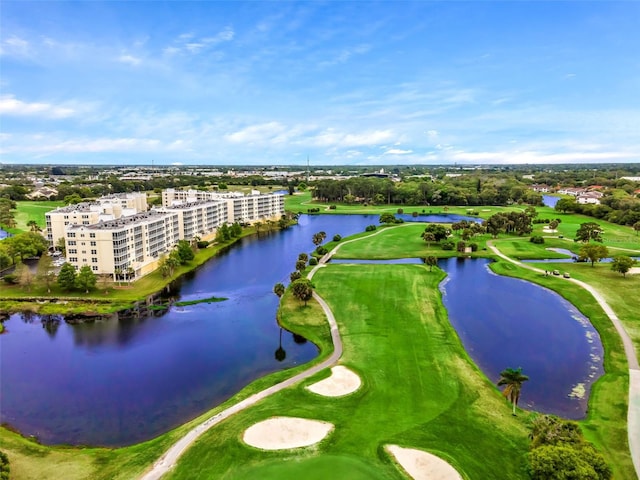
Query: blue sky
[{"x": 358, "y": 83}]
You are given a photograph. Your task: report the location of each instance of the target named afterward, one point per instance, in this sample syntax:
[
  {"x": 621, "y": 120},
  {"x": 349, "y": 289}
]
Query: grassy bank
[
  {"x": 32, "y": 461},
  {"x": 107, "y": 297},
  {"x": 28, "y": 210},
  {"x": 419, "y": 389},
  {"x": 606, "y": 422}
]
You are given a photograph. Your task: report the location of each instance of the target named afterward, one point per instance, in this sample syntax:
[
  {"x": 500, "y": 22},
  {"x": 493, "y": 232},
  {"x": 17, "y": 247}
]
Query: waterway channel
[{"x": 125, "y": 380}]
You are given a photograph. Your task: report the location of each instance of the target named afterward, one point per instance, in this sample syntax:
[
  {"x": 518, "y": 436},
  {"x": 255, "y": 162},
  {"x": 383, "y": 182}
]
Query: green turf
[
  {"x": 315, "y": 468},
  {"x": 419, "y": 390},
  {"x": 32, "y": 210}
]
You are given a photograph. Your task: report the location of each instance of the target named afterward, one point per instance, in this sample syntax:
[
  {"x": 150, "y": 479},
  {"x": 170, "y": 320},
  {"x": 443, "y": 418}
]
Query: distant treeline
[{"x": 463, "y": 190}]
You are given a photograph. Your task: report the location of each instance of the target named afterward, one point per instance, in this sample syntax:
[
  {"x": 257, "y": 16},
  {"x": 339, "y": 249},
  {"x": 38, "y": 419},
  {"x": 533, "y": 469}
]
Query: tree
[
  {"x": 553, "y": 224},
  {"x": 429, "y": 238},
  {"x": 185, "y": 253},
  {"x": 67, "y": 277},
  {"x": 431, "y": 261},
  {"x": 387, "y": 218},
  {"x": 294, "y": 276},
  {"x": 5, "y": 469},
  {"x": 61, "y": 246},
  {"x": 223, "y": 234},
  {"x": 302, "y": 289},
  {"x": 593, "y": 252},
  {"x": 564, "y": 462},
  {"x": 622, "y": 264},
  {"x": 279, "y": 289},
  {"x": 318, "y": 238},
  {"x": 301, "y": 265},
  {"x": 461, "y": 246},
  {"x": 45, "y": 272},
  {"x": 304, "y": 257},
  {"x": 513, "y": 379},
  {"x": 24, "y": 276},
  {"x": 280, "y": 353},
  {"x": 33, "y": 226},
  {"x": 566, "y": 205},
  {"x": 439, "y": 231},
  {"x": 86, "y": 279},
  {"x": 636, "y": 227},
  {"x": 589, "y": 231}
]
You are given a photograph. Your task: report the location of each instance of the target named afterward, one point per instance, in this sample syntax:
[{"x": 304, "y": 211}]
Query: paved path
[
  {"x": 169, "y": 459},
  {"x": 633, "y": 414}
]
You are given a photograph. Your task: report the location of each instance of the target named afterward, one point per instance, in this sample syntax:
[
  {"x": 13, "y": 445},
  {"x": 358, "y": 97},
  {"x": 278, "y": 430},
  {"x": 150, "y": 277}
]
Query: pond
[
  {"x": 121, "y": 381},
  {"x": 505, "y": 322},
  {"x": 550, "y": 200}
]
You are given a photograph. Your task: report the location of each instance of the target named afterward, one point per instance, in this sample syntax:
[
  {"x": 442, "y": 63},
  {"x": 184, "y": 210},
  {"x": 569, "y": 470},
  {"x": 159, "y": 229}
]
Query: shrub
[
  {"x": 414, "y": 214},
  {"x": 332, "y": 207},
  {"x": 5, "y": 469},
  {"x": 322, "y": 250},
  {"x": 313, "y": 261},
  {"x": 337, "y": 238},
  {"x": 11, "y": 279},
  {"x": 399, "y": 220},
  {"x": 537, "y": 239},
  {"x": 203, "y": 244},
  {"x": 370, "y": 228},
  {"x": 448, "y": 245},
  {"x": 474, "y": 247},
  {"x": 400, "y": 211}
]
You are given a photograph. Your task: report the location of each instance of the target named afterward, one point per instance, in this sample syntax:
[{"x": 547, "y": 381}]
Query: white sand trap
[
  {"x": 421, "y": 465},
  {"x": 549, "y": 230},
  {"x": 634, "y": 271},
  {"x": 280, "y": 433},
  {"x": 341, "y": 382}
]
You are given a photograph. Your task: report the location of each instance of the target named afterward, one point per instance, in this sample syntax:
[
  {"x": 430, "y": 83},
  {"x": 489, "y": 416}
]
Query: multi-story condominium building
[
  {"x": 129, "y": 244},
  {"x": 199, "y": 218},
  {"x": 240, "y": 208},
  {"x": 109, "y": 207}
]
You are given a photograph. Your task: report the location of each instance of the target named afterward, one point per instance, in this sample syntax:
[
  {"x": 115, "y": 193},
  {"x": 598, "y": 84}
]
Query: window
[
  {"x": 73, "y": 259},
  {"x": 94, "y": 268},
  {"x": 72, "y": 242},
  {"x": 94, "y": 252},
  {"x": 73, "y": 250},
  {"x": 92, "y": 235},
  {"x": 94, "y": 260},
  {"x": 93, "y": 244}
]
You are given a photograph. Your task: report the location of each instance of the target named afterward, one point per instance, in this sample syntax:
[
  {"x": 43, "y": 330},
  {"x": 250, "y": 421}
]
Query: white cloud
[
  {"x": 397, "y": 151},
  {"x": 189, "y": 43},
  {"x": 9, "y": 105},
  {"x": 260, "y": 133},
  {"x": 15, "y": 46},
  {"x": 38, "y": 144},
  {"x": 129, "y": 59}
]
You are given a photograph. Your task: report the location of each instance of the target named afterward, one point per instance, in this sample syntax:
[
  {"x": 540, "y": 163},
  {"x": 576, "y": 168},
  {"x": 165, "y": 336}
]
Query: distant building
[
  {"x": 542, "y": 188},
  {"x": 592, "y": 198},
  {"x": 42, "y": 193}
]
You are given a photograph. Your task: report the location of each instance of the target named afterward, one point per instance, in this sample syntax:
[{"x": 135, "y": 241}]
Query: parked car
[
  {"x": 566, "y": 275},
  {"x": 556, "y": 272}
]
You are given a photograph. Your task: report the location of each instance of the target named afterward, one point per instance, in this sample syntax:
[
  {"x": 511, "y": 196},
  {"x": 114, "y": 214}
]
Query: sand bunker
[
  {"x": 421, "y": 465},
  {"x": 280, "y": 433},
  {"x": 634, "y": 271},
  {"x": 549, "y": 230},
  {"x": 341, "y": 382}
]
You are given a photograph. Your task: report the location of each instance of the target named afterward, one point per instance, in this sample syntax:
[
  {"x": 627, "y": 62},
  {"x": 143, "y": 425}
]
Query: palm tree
[
  {"x": 279, "y": 289},
  {"x": 117, "y": 273},
  {"x": 33, "y": 225},
  {"x": 513, "y": 379}
]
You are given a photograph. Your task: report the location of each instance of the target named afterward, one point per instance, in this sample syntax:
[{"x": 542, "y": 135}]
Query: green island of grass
[{"x": 202, "y": 300}]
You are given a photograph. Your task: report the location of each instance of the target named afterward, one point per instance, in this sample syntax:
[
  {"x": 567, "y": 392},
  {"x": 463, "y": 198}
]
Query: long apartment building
[
  {"x": 135, "y": 243},
  {"x": 109, "y": 207},
  {"x": 240, "y": 208}
]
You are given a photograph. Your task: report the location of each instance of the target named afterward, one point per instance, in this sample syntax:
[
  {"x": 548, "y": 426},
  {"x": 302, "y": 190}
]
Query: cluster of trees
[
  {"x": 5, "y": 469},
  {"x": 227, "y": 232},
  {"x": 622, "y": 210},
  {"x": 7, "y": 219},
  {"x": 180, "y": 255},
  {"x": 519, "y": 223},
  {"x": 301, "y": 288},
  {"x": 560, "y": 452},
  {"x": 463, "y": 190},
  {"x": 21, "y": 246},
  {"x": 84, "y": 279}
]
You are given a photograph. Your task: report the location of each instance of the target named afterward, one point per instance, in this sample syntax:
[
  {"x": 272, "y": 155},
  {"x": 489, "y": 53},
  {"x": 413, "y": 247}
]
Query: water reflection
[{"x": 505, "y": 322}]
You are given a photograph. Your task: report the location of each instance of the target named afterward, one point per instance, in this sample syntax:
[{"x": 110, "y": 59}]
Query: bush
[
  {"x": 11, "y": 279},
  {"x": 313, "y": 210},
  {"x": 537, "y": 239},
  {"x": 399, "y": 220},
  {"x": 473, "y": 247},
  {"x": 414, "y": 214},
  {"x": 448, "y": 245},
  {"x": 332, "y": 207},
  {"x": 313, "y": 261},
  {"x": 337, "y": 238},
  {"x": 203, "y": 244},
  {"x": 400, "y": 211},
  {"x": 5, "y": 469},
  {"x": 322, "y": 250},
  {"x": 370, "y": 228}
]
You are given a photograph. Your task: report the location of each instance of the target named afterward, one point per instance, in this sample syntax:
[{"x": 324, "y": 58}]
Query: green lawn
[
  {"x": 419, "y": 390},
  {"x": 31, "y": 210}
]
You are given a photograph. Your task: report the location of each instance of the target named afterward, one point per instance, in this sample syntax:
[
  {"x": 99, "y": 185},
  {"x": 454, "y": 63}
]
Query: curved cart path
[
  {"x": 171, "y": 456},
  {"x": 633, "y": 414}
]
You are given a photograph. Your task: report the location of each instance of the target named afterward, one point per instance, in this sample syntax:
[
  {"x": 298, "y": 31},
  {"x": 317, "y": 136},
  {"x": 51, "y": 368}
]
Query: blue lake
[{"x": 121, "y": 381}]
